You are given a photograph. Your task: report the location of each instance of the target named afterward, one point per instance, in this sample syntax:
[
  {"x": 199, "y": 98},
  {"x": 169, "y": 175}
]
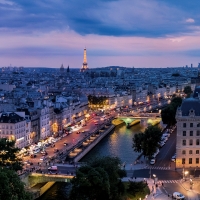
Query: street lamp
[
  {"x": 154, "y": 178},
  {"x": 195, "y": 170},
  {"x": 186, "y": 173},
  {"x": 191, "y": 184}
]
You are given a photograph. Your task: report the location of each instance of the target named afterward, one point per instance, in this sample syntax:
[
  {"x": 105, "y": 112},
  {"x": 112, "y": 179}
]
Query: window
[
  {"x": 184, "y": 125},
  {"x": 191, "y": 124},
  {"x": 197, "y": 151},
  {"x": 198, "y": 125},
  {"x": 197, "y": 141},
  {"x": 183, "y": 152},
  {"x": 191, "y": 133},
  {"x": 190, "y": 160},
  {"x": 198, "y": 133},
  {"x": 184, "y": 142},
  {"x": 191, "y": 142},
  {"x": 190, "y": 151},
  {"x": 197, "y": 160},
  {"x": 183, "y": 160},
  {"x": 184, "y": 133}
]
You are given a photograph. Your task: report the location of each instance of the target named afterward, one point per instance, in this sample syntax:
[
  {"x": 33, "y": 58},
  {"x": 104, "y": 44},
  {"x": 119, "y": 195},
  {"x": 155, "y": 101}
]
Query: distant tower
[
  {"x": 62, "y": 69},
  {"x": 85, "y": 65},
  {"x": 68, "y": 69}
]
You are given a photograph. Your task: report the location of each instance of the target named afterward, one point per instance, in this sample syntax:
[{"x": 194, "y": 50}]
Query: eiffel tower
[{"x": 85, "y": 65}]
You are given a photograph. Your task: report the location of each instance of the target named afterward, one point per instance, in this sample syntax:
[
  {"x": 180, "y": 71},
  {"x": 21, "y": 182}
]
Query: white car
[
  {"x": 162, "y": 144},
  {"x": 152, "y": 161},
  {"x": 178, "y": 195},
  {"x": 42, "y": 158},
  {"x": 173, "y": 158}
]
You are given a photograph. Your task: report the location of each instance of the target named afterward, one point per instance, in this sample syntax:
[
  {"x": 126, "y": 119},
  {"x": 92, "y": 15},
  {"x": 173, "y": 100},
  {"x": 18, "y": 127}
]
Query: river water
[{"x": 117, "y": 143}]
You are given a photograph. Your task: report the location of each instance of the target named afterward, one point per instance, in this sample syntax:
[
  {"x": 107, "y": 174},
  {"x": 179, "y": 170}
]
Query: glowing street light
[{"x": 154, "y": 178}]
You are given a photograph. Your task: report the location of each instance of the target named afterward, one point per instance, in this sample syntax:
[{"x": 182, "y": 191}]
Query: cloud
[
  {"x": 50, "y": 32},
  {"x": 190, "y": 20},
  {"x": 6, "y": 2},
  {"x": 112, "y": 17}
]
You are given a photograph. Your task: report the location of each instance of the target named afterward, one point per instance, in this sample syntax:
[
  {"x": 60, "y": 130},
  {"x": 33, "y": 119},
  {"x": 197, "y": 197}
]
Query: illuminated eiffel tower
[{"x": 85, "y": 65}]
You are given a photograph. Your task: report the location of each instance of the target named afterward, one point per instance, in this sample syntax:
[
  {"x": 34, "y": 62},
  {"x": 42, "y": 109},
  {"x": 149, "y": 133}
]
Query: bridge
[
  {"x": 32, "y": 179},
  {"x": 135, "y": 118}
]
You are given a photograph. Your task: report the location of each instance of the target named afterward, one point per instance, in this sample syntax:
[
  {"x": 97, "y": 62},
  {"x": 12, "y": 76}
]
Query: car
[
  {"x": 83, "y": 131},
  {"x": 65, "y": 143},
  {"x": 96, "y": 123},
  {"x": 33, "y": 156},
  {"x": 178, "y": 195},
  {"x": 162, "y": 144},
  {"x": 53, "y": 169},
  {"x": 44, "y": 154},
  {"x": 55, "y": 150},
  {"x": 47, "y": 144},
  {"x": 152, "y": 161},
  {"x": 78, "y": 132},
  {"x": 173, "y": 158},
  {"x": 42, "y": 158}
]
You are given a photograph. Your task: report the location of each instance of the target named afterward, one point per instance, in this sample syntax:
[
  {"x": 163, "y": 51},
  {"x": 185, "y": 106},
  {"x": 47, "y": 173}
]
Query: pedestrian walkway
[
  {"x": 142, "y": 166},
  {"x": 169, "y": 181},
  {"x": 154, "y": 167}
]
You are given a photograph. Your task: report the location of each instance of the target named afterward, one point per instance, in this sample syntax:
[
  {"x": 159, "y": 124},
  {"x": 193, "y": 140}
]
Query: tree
[
  {"x": 188, "y": 91},
  {"x": 8, "y": 155},
  {"x": 147, "y": 142},
  {"x": 90, "y": 183},
  {"x": 99, "y": 179},
  {"x": 168, "y": 114},
  {"x": 138, "y": 189},
  {"x": 11, "y": 186},
  {"x": 176, "y": 74}
]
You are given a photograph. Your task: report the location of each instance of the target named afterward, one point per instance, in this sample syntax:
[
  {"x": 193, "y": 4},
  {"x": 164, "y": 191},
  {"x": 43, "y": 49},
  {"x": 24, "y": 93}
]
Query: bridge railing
[{"x": 80, "y": 142}]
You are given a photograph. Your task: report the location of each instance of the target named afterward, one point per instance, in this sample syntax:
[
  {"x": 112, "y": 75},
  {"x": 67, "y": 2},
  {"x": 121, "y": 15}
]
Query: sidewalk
[
  {"x": 135, "y": 165},
  {"x": 155, "y": 193}
]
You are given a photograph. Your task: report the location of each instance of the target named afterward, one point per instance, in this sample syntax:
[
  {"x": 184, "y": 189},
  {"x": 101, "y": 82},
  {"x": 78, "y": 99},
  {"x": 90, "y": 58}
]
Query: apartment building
[
  {"x": 188, "y": 134},
  {"x": 13, "y": 127}
]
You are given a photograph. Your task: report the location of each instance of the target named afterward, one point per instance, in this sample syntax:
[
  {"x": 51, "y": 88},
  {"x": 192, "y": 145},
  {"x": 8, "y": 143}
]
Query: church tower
[{"x": 85, "y": 65}]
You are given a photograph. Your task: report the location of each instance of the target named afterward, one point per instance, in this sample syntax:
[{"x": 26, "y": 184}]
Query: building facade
[
  {"x": 188, "y": 134},
  {"x": 13, "y": 127}
]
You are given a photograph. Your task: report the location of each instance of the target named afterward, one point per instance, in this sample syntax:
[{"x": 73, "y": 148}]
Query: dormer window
[{"x": 192, "y": 113}]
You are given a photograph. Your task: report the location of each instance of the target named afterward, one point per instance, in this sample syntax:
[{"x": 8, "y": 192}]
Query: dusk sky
[{"x": 139, "y": 33}]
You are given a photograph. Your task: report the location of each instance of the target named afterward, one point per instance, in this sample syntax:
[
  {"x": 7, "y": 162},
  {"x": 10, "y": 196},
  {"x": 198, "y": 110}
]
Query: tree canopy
[
  {"x": 97, "y": 101},
  {"x": 137, "y": 190},
  {"x": 147, "y": 142},
  {"x": 99, "y": 179},
  {"x": 168, "y": 114},
  {"x": 8, "y": 155},
  {"x": 11, "y": 186},
  {"x": 188, "y": 91}
]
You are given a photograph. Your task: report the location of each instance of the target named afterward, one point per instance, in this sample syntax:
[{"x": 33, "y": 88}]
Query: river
[{"x": 117, "y": 143}]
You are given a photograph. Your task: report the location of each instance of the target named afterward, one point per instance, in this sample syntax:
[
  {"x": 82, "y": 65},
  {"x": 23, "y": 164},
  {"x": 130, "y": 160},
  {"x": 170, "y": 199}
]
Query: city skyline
[{"x": 116, "y": 32}]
